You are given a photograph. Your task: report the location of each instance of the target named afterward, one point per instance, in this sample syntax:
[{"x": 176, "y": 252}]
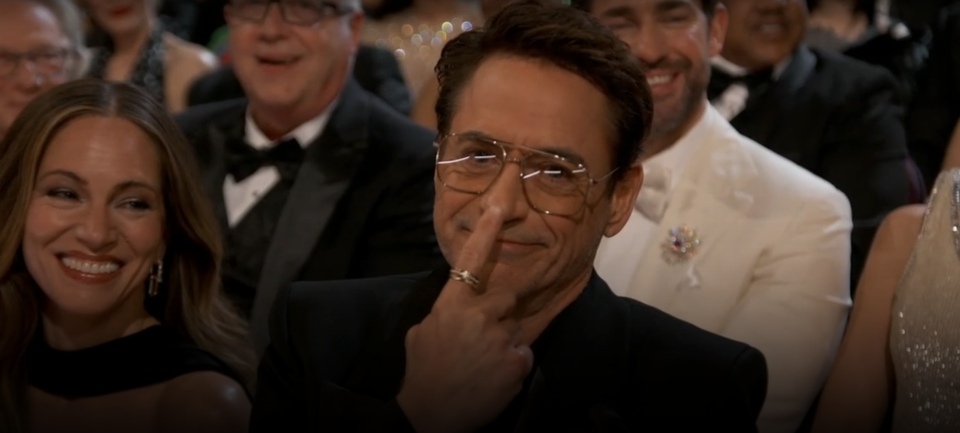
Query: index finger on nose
[{"x": 476, "y": 250}]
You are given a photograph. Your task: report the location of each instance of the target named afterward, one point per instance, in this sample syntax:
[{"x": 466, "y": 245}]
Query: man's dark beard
[{"x": 689, "y": 100}]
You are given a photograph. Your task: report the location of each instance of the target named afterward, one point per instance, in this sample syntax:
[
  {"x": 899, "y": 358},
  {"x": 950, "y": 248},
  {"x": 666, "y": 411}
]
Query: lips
[
  {"x": 276, "y": 64},
  {"x": 119, "y": 11},
  {"x": 277, "y": 59},
  {"x": 662, "y": 82},
  {"x": 659, "y": 80},
  {"x": 90, "y": 269},
  {"x": 771, "y": 27}
]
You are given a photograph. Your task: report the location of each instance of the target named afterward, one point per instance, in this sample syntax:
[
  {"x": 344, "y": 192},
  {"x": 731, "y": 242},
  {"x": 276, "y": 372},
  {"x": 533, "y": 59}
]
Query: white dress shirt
[
  {"x": 625, "y": 250},
  {"x": 733, "y": 100},
  {"x": 240, "y": 197}
]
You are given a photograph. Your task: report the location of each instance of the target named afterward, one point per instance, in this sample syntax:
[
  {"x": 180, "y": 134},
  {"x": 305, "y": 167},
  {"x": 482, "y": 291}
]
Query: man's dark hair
[
  {"x": 708, "y": 6},
  {"x": 564, "y": 37}
]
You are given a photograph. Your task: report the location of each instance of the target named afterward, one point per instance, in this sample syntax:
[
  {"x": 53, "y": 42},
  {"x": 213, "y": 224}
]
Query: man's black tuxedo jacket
[
  {"x": 605, "y": 364},
  {"x": 842, "y": 120},
  {"x": 936, "y": 109},
  {"x": 361, "y": 204},
  {"x": 375, "y": 69}
]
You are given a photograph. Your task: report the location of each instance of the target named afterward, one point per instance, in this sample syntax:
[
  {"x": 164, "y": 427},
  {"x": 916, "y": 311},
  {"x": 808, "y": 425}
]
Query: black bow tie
[
  {"x": 243, "y": 160},
  {"x": 720, "y": 81}
]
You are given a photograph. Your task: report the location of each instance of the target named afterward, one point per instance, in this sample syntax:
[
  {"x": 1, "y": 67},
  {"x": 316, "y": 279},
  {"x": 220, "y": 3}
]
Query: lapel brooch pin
[{"x": 681, "y": 244}]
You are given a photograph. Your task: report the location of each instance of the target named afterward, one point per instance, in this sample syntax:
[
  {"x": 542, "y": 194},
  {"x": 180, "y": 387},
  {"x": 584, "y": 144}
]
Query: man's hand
[{"x": 466, "y": 360}]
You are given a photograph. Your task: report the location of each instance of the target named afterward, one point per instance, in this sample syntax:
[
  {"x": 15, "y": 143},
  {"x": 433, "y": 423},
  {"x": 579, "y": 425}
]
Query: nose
[
  {"x": 768, "y": 5},
  {"x": 649, "y": 45},
  {"x": 26, "y": 77},
  {"x": 97, "y": 231},
  {"x": 273, "y": 24},
  {"x": 506, "y": 192}
]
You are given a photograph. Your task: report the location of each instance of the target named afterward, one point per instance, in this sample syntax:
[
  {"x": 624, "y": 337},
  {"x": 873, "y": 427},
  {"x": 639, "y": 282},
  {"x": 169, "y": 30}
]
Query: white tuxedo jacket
[{"x": 772, "y": 268}]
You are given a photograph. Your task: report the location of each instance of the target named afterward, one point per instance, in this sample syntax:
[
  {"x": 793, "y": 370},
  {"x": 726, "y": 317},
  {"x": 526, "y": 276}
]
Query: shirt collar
[
  {"x": 735, "y": 70},
  {"x": 305, "y": 134}
]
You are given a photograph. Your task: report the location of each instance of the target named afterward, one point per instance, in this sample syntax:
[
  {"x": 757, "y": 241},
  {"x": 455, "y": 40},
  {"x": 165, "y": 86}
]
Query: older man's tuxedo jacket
[
  {"x": 360, "y": 205},
  {"x": 605, "y": 364}
]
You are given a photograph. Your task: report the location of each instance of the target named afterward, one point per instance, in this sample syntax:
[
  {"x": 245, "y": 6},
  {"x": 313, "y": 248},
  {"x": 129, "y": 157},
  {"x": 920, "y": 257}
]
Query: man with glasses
[
  {"x": 541, "y": 118},
  {"x": 312, "y": 177},
  {"x": 41, "y": 46}
]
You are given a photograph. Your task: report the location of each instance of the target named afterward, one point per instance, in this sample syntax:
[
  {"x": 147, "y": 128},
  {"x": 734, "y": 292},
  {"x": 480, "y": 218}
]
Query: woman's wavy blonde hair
[{"x": 190, "y": 297}]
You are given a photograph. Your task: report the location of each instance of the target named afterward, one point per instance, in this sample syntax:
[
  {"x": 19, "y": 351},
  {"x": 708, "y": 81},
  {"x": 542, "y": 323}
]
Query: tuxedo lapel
[
  {"x": 763, "y": 116},
  {"x": 712, "y": 191},
  {"x": 324, "y": 177},
  {"x": 228, "y": 126},
  {"x": 383, "y": 364}
]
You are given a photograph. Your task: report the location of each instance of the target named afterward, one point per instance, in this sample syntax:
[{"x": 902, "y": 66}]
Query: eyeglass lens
[
  {"x": 293, "y": 11},
  {"x": 552, "y": 184},
  {"x": 44, "y": 62}
]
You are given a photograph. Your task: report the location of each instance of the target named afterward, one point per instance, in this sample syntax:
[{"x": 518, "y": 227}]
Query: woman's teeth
[{"x": 90, "y": 267}]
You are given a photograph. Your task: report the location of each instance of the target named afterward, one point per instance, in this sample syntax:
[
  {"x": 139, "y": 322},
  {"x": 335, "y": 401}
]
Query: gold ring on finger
[{"x": 465, "y": 277}]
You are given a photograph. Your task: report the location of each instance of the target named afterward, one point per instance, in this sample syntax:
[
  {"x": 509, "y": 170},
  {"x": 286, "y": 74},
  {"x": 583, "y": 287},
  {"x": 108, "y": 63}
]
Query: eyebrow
[
  {"x": 618, "y": 12},
  {"x": 559, "y": 151},
  {"x": 120, "y": 187},
  {"x": 672, "y": 5}
]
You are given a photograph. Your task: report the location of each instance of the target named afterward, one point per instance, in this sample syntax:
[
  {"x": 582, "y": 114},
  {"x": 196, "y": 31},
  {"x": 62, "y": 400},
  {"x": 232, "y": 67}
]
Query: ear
[
  {"x": 624, "y": 197},
  {"x": 355, "y": 23},
  {"x": 718, "y": 29},
  {"x": 228, "y": 14}
]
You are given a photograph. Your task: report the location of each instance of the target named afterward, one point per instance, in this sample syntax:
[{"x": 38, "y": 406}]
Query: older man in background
[{"x": 41, "y": 46}]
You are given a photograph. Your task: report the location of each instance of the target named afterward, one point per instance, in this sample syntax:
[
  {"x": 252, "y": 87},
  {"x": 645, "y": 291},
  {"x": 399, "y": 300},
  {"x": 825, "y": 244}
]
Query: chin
[{"x": 82, "y": 305}]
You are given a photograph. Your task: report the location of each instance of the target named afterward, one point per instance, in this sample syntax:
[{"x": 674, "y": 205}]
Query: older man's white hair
[{"x": 71, "y": 21}]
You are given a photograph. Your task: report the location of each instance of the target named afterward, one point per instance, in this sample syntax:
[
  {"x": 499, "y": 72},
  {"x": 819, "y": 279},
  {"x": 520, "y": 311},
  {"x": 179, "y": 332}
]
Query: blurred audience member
[
  {"x": 918, "y": 14},
  {"x": 899, "y": 357},
  {"x": 41, "y": 46},
  {"x": 861, "y": 30},
  {"x": 210, "y": 19},
  {"x": 837, "y": 117},
  {"x": 935, "y": 110},
  {"x": 424, "y": 110},
  {"x": 726, "y": 234},
  {"x": 416, "y": 30},
  {"x": 542, "y": 116},
  {"x": 138, "y": 49},
  {"x": 313, "y": 178},
  {"x": 375, "y": 69},
  {"x": 111, "y": 315}
]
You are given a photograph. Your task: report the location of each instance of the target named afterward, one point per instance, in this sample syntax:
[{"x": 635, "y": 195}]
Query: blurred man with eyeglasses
[
  {"x": 41, "y": 46},
  {"x": 312, "y": 177},
  {"x": 727, "y": 234},
  {"x": 541, "y": 117}
]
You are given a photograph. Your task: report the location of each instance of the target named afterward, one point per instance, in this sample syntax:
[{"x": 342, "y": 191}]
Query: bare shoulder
[
  {"x": 204, "y": 401},
  {"x": 188, "y": 55},
  {"x": 888, "y": 258},
  {"x": 900, "y": 228}
]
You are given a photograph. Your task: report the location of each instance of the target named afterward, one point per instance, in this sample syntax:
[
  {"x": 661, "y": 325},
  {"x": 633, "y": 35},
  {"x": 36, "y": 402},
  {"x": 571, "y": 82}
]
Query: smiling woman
[{"x": 111, "y": 314}]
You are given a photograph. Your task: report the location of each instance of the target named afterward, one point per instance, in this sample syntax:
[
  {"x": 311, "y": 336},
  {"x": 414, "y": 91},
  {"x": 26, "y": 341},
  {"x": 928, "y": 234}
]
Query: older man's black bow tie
[
  {"x": 755, "y": 82},
  {"x": 243, "y": 160}
]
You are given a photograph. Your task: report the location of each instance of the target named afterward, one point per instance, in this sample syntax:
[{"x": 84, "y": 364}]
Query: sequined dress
[
  {"x": 925, "y": 330},
  {"x": 417, "y": 43},
  {"x": 148, "y": 73}
]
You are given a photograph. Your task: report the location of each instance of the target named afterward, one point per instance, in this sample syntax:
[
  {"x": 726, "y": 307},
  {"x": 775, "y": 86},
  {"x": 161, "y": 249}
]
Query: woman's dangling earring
[{"x": 156, "y": 277}]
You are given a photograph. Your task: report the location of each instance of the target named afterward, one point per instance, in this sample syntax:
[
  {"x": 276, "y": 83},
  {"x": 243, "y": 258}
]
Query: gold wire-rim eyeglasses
[
  {"x": 325, "y": 10},
  {"x": 506, "y": 159}
]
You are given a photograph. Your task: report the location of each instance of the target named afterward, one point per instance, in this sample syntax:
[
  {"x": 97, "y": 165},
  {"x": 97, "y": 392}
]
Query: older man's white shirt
[{"x": 772, "y": 265}]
